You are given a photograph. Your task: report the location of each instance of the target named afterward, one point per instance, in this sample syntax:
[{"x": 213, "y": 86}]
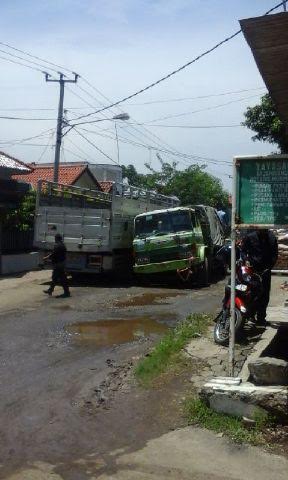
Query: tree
[
  {"x": 264, "y": 120},
  {"x": 21, "y": 217},
  {"x": 134, "y": 178},
  {"x": 192, "y": 185}
]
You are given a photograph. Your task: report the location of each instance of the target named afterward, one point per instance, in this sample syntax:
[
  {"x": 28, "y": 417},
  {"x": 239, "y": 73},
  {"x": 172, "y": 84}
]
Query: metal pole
[
  {"x": 62, "y": 82},
  {"x": 117, "y": 141},
  {"x": 285, "y": 6},
  {"x": 59, "y": 130},
  {"x": 233, "y": 277}
]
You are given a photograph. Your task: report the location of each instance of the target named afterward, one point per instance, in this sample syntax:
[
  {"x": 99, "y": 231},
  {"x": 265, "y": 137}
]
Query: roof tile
[{"x": 68, "y": 174}]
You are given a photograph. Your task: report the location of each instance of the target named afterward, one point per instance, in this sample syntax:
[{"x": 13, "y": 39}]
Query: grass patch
[
  {"x": 198, "y": 413},
  {"x": 167, "y": 351}
]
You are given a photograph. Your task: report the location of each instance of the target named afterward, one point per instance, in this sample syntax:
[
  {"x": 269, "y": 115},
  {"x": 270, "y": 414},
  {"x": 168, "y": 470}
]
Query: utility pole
[
  {"x": 285, "y": 6},
  {"x": 61, "y": 82}
]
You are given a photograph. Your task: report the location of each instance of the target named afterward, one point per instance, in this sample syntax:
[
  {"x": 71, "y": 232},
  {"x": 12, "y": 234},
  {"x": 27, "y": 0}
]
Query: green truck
[{"x": 181, "y": 240}]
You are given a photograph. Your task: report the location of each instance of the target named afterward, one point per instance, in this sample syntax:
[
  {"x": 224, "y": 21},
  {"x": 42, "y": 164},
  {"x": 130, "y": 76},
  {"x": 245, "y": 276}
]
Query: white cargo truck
[{"x": 97, "y": 227}]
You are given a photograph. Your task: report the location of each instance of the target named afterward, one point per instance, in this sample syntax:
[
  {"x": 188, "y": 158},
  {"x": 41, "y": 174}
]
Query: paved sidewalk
[{"x": 196, "y": 454}]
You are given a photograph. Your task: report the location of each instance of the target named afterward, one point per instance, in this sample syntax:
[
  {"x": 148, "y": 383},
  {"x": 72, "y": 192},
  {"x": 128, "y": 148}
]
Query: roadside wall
[{"x": 17, "y": 263}]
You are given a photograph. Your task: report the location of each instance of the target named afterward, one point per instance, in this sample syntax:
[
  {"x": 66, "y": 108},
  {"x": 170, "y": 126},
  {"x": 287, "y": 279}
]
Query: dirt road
[
  {"x": 57, "y": 354},
  {"x": 67, "y": 411}
]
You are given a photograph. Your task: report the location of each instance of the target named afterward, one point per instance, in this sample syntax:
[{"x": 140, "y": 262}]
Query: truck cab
[{"x": 183, "y": 240}]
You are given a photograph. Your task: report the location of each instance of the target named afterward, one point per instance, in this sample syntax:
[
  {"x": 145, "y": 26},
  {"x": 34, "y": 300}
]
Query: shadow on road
[{"x": 128, "y": 281}]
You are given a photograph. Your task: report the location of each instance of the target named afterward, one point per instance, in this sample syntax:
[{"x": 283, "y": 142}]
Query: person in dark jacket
[
  {"x": 58, "y": 257},
  {"x": 261, "y": 249}
]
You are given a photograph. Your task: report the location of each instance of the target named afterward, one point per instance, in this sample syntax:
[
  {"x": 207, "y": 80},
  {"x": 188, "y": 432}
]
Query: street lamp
[{"x": 121, "y": 116}]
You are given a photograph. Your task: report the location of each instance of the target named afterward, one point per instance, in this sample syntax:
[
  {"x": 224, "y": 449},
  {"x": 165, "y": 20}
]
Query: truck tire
[{"x": 204, "y": 273}]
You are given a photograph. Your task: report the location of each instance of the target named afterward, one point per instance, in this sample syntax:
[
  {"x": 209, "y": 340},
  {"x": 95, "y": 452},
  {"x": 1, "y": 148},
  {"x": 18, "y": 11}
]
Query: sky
[{"x": 119, "y": 47}]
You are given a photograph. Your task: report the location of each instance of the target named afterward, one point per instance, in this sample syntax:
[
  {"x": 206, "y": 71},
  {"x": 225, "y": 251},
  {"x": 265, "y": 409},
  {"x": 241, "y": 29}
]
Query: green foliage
[
  {"x": 134, "y": 178},
  {"x": 199, "y": 413},
  {"x": 264, "y": 120},
  {"x": 166, "y": 352},
  {"x": 22, "y": 217},
  {"x": 192, "y": 185}
]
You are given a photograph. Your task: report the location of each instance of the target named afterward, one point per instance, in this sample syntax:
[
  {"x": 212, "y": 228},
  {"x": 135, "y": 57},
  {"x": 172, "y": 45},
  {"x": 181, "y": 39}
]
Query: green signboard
[{"x": 262, "y": 191}]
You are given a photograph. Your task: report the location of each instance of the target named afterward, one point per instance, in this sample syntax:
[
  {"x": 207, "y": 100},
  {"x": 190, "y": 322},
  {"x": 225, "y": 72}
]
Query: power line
[
  {"x": 26, "y": 118},
  {"x": 181, "y": 99},
  {"x": 30, "y": 61},
  {"x": 174, "y": 72},
  {"x": 22, "y": 64},
  {"x": 46, "y": 148},
  {"x": 162, "y": 142},
  {"x": 37, "y": 58},
  {"x": 76, "y": 154},
  {"x": 68, "y": 139},
  {"x": 95, "y": 146},
  {"x": 22, "y": 140},
  {"x": 151, "y": 136},
  {"x": 169, "y": 152},
  {"x": 159, "y": 119},
  {"x": 199, "y": 97},
  {"x": 193, "y": 126}
]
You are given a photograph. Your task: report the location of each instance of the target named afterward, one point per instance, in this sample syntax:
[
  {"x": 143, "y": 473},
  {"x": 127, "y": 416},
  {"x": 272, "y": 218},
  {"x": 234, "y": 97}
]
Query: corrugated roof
[
  {"x": 267, "y": 37},
  {"x": 68, "y": 175},
  {"x": 12, "y": 164}
]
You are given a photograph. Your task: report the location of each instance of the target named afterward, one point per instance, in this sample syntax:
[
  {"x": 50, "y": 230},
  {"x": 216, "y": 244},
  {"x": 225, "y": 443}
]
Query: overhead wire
[
  {"x": 199, "y": 97},
  {"x": 174, "y": 72},
  {"x": 194, "y": 126},
  {"x": 30, "y": 61},
  {"x": 186, "y": 156},
  {"x": 22, "y": 140},
  {"x": 129, "y": 96},
  {"x": 2, "y": 117},
  {"x": 47, "y": 146},
  {"x": 19, "y": 63},
  {"x": 127, "y": 131},
  {"x": 95, "y": 146},
  {"x": 149, "y": 135},
  {"x": 37, "y": 58},
  {"x": 68, "y": 139},
  {"x": 214, "y": 107}
]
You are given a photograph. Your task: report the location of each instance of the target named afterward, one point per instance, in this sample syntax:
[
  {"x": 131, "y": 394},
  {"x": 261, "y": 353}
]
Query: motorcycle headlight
[{"x": 241, "y": 288}]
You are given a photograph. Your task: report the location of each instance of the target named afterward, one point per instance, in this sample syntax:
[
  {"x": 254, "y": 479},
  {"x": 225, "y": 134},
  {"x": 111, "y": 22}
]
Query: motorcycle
[{"x": 248, "y": 292}]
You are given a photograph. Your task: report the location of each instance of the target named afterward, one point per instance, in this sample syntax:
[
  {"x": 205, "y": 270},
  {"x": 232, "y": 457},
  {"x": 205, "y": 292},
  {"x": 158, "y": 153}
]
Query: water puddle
[
  {"x": 146, "y": 299},
  {"x": 103, "y": 333}
]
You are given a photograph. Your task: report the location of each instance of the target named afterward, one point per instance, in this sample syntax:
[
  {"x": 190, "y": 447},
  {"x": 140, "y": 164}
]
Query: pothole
[{"x": 103, "y": 333}]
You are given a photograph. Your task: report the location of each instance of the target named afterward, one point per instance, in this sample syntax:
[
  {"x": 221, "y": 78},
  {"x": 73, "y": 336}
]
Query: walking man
[
  {"x": 261, "y": 248},
  {"x": 58, "y": 257}
]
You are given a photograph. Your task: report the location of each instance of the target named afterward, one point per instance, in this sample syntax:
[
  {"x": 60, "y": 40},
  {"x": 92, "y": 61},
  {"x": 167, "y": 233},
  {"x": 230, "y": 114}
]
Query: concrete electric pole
[{"x": 62, "y": 82}]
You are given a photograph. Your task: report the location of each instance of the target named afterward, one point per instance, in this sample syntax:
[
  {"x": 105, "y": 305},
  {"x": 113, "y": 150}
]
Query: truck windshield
[{"x": 162, "y": 223}]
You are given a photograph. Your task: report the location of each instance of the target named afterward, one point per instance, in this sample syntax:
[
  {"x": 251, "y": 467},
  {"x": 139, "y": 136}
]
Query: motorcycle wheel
[{"x": 222, "y": 326}]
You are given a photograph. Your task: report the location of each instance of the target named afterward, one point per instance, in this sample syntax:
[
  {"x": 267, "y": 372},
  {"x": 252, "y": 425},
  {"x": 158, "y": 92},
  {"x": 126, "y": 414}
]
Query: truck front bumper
[{"x": 169, "y": 266}]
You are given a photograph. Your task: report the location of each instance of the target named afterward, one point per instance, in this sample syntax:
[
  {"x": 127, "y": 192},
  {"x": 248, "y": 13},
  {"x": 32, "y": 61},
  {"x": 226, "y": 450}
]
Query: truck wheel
[{"x": 204, "y": 273}]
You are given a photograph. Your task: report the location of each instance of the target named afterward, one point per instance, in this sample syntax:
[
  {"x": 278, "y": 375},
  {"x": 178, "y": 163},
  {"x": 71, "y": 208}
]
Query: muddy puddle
[
  {"x": 146, "y": 299},
  {"x": 109, "y": 332}
]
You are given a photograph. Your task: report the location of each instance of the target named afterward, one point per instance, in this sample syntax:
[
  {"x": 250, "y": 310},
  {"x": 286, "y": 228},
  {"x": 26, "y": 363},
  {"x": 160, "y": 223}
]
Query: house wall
[{"x": 86, "y": 181}]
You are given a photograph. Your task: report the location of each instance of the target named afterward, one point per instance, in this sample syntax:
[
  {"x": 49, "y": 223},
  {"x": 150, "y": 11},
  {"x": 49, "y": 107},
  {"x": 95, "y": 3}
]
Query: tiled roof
[
  {"x": 106, "y": 187},
  {"x": 11, "y": 163},
  {"x": 68, "y": 174}
]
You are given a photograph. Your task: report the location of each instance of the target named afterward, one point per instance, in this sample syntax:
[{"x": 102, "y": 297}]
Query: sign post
[
  {"x": 259, "y": 200},
  {"x": 233, "y": 275}
]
